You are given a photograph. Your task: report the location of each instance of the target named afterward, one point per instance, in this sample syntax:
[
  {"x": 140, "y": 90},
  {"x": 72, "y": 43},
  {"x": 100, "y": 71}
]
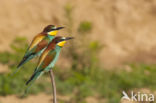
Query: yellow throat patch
[
  {"x": 53, "y": 33},
  {"x": 61, "y": 44}
]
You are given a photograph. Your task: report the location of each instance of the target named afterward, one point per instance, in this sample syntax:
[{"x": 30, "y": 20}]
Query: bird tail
[
  {"x": 24, "y": 60},
  {"x": 34, "y": 77},
  {"x": 18, "y": 67},
  {"x": 20, "y": 64}
]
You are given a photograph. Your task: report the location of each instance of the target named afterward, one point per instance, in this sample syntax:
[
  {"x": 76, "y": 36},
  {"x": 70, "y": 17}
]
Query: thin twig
[{"x": 53, "y": 85}]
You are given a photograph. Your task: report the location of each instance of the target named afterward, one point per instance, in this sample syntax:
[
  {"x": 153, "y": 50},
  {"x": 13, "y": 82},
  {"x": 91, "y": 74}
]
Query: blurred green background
[{"x": 113, "y": 50}]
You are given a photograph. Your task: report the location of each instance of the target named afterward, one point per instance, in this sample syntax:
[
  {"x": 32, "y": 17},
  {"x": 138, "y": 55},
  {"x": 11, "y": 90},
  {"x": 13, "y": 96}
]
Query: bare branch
[{"x": 53, "y": 85}]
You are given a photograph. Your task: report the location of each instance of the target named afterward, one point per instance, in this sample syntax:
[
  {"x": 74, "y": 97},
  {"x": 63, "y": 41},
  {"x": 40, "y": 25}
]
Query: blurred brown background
[{"x": 126, "y": 28}]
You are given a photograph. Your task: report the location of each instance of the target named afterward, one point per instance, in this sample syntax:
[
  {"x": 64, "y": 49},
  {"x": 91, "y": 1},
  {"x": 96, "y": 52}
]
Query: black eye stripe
[{"x": 51, "y": 30}]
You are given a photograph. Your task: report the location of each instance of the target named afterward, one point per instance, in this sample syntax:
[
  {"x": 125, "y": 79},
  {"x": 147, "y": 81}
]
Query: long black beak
[
  {"x": 58, "y": 28},
  {"x": 68, "y": 38}
]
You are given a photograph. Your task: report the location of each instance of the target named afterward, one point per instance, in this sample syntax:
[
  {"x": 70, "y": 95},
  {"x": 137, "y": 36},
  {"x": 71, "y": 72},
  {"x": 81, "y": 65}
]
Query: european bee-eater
[
  {"x": 49, "y": 57},
  {"x": 39, "y": 43}
]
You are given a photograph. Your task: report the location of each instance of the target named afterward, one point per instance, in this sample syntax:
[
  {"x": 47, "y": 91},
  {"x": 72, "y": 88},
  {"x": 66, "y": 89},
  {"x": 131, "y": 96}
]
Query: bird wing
[
  {"x": 46, "y": 58},
  {"x": 34, "y": 52},
  {"x": 42, "y": 44},
  {"x": 36, "y": 41}
]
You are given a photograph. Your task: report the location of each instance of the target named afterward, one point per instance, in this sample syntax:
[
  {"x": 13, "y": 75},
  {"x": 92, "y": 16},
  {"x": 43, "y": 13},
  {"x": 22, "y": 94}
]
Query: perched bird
[
  {"x": 39, "y": 43},
  {"x": 49, "y": 57}
]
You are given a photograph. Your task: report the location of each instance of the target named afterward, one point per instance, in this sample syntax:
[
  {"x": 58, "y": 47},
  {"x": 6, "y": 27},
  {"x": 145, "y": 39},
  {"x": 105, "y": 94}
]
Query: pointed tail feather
[
  {"x": 19, "y": 65},
  {"x": 28, "y": 87},
  {"x": 25, "y": 59},
  {"x": 15, "y": 72},
  {"x": 35, "y": 69},
  {"x": 22, "y": 62},
  {"x": 34, "y": 77},
  {"x": 31, "y": 78}
]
